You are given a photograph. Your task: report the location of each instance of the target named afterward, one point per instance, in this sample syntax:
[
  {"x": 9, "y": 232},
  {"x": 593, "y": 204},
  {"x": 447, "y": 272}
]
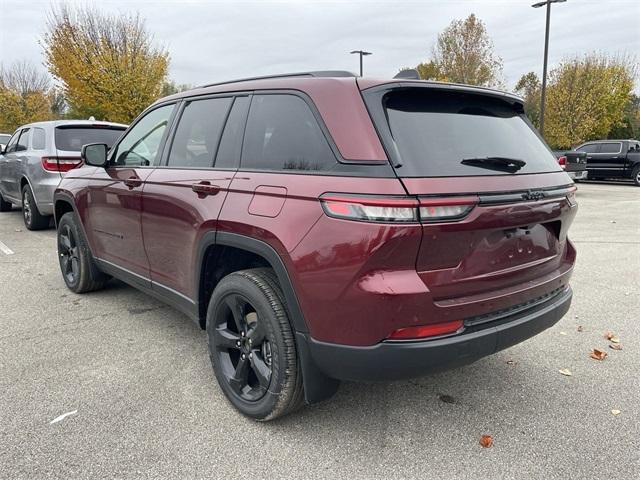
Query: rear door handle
[
  {"x": 133, "y": 182},
  {"x": 205, "y": 188}
]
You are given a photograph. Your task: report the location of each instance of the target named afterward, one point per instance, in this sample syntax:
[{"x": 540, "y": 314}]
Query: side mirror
[{"x": 94, "y": 154}]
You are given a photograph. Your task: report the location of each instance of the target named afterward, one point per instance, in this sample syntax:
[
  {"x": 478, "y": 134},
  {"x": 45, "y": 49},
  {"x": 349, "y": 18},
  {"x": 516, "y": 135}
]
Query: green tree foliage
[
  {"x": 24, "y": 96},
  {"x": 169, "y": 87},
  {"x": 464, "y": 53},
  {"x": 106, "y": 65},
  {"x": 529, "y": 88},
  {"x": 586, "y": 98}
]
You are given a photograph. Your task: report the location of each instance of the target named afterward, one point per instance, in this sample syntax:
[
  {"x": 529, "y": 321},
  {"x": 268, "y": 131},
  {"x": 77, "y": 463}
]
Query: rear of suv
[
  {"x": 38, "y": 155},
  {"x": 323, "y": 227}
]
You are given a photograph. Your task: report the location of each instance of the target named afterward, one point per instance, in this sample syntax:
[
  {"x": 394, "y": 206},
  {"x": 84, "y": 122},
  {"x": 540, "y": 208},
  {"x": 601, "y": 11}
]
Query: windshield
[
  {"x": 441, "y": 134},
  {"x": 73, "y": 138}
]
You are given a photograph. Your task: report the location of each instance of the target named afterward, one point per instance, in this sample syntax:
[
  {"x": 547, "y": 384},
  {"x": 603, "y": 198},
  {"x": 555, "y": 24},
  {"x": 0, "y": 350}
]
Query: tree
[
  {"x": 24, "y": 96},
  {"x": 170, "y": 87},
  {"x": 586, "y": 98},
  {"x": 529, "y": 88},
  {"x": 630, "y": 125},
  {"x": 463, "y": 53},
  {"x": 106, "y": 65}
]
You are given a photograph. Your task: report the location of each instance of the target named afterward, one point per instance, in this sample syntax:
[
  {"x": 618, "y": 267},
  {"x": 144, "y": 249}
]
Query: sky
[{"x": 217, "y": 40}]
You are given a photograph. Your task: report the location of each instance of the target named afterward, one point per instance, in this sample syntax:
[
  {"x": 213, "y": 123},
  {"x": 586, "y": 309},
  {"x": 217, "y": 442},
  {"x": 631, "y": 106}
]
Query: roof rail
[{"x": 320, "y": 73}]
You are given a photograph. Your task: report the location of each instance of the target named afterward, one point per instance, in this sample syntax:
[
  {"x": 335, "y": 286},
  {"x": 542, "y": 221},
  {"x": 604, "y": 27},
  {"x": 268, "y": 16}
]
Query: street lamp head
[
  {"x": 362, "y": 52},
  {"x": 542, "y": 4}
]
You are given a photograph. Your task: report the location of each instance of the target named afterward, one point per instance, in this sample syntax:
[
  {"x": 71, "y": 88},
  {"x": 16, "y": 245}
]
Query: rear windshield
[
  {"x": 4, "y": 138},
  {"x": 73, "y": 138},
  {"x": 434, "y": 131}
]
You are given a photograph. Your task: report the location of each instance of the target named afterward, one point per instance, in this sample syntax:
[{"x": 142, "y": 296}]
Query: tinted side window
[
  {"x": 198, "y": 134},
  {"x": 11, "y": 146},
  {"x": 283, "y": 134},
  {"x": 23, "y": 142},
  {"x": 231, "y": 142},
  {"x": 141, "y": 145},
  {"x": 38, "y": 141},
  {"x": 588, "y": 148},
  {"x": 610, "y": 148}
]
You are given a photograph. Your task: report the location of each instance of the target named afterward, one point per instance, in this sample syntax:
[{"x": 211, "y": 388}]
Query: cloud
[{"x": 216, "y": 40}]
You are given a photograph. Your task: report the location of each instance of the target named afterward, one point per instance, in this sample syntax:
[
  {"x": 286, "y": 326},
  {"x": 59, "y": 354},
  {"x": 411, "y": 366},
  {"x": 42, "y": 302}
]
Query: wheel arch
[
  {"x": 62, "y": 204},
  {"x": 253, "y": 253}
]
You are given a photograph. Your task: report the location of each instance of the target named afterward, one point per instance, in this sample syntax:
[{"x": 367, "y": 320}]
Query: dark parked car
[
  {"x": 323, "y": 227},
  {"x": 574, "y": 163},
  {"x": 618, "y": 159}
]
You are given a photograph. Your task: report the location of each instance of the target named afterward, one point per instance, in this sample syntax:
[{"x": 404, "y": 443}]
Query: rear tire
[
  {"x": 33, "y": 220},
  {"x": 252, "y": 346},
  {"x": 636, "y": 176},
  {"x": 4, "y": 205},
  {"x": 78, "y": 268}
]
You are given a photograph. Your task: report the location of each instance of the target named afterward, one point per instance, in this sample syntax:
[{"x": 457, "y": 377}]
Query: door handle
[
  {"x": 133, "y": 182},
  {"x": 205, "y": 188}
]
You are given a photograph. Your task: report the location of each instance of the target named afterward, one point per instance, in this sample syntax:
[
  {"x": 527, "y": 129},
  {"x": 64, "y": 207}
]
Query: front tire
[
  {"x": 252, "y": 346},
  {"x": 78, "y": 268},
  {"x": 33, "y": 220},
  {"x": 4, "y": 205}
]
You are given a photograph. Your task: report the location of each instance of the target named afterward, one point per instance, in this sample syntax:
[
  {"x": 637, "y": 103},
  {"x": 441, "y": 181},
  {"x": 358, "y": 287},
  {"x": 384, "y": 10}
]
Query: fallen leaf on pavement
[
  {"x": 609, "y": 335},
  {"x": 486, "y": 441},
  {"x": 446, "y": 398},
  {"x": 615, "y": 339},
  {"x": 580, "y": 328},
  {"x": 615, "y": 412},
  {"x": 566, "y": 372},
  {"x": 563, "y": 333},
  {"x": 511, "y": 362},
  {"x": 598, "y": 354},
  {"x": 615, "y": 346}
]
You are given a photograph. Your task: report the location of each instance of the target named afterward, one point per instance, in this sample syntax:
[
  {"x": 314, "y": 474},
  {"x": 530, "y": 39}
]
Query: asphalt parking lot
[{"x": 137, "y": 375}]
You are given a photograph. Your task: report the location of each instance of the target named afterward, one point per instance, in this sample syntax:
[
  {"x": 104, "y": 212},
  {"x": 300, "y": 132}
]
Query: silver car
[{"x": 38, "y": 155}]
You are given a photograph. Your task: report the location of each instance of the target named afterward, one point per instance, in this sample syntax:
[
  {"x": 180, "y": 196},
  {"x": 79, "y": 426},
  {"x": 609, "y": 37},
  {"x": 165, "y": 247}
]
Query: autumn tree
[
  {"x": 586, "y": 98},
  {"x": 107, "y": 65},
  {"x": 24, "y": 95},
  {"x": 464, "y": 53},
  {"x": 529, "y": 88}
]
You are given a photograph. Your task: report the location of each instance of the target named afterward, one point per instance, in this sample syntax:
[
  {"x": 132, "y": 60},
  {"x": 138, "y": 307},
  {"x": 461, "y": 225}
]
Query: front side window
[
  {"x": 11, "y": 146},
  {"x": 141, "y": 145},
  {"x": 612, "y": 147},
  {"x": 23, "y": 142},
  {"x": 198, "y": 133},
  {"x": 588, "y": 148},
  {"x": 283, "y": 134},
  {"x": 38, "y": 141}
]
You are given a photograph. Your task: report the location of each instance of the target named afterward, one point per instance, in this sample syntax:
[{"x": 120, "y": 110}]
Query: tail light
[
  {"x": 396, "y": 209},
  {"x": 424, "y": 331},
  {"x": 562, "y": 161},
  {"x": 60, "y": 164}
]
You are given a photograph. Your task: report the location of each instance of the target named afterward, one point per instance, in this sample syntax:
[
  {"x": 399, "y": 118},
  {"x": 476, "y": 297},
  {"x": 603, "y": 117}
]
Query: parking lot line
[{"x": 6, "y": 250}]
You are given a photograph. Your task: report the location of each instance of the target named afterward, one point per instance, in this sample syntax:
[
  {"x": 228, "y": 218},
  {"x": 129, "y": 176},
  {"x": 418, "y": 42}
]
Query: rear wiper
[{"x": 505, "y": 164}]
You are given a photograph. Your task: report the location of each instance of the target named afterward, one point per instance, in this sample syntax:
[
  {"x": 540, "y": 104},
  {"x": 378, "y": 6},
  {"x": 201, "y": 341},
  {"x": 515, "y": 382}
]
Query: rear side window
[
  {"x": 198, "y": 133},
  {"x": 588, "y": 148},
  {"x": 38, "y": 141},
  {"x": 23, "y": 141},
  {"x": 612, "y": 147},
  {"x": 72, "y": 138},
  {"x": 283, "y": 134},
  {"x": 441, "y": 134}
]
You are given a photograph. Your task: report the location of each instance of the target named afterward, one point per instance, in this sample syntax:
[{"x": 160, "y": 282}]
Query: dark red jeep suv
[{"x": 323, "y": 227}]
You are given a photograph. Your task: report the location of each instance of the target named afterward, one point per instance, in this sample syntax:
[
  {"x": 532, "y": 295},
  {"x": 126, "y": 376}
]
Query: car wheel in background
[
  {"x": 33, "y": 220},
  {"x": 4, "y": 205},
  {"x": 78, "y": 267},
  {"x": 636, "y": 175},
  {"x": 252, "y": 347}
]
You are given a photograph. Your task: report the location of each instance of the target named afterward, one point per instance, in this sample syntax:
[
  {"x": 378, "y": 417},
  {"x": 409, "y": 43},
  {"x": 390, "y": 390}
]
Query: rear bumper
[
  {"x": 578, "y": 175},
  {"x": 401, "y": 360}
]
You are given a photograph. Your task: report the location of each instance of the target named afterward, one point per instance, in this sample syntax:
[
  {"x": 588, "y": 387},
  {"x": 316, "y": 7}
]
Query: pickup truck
[
  {"x": 612, "y": 159},
  {"x": 574, "y": 163}
]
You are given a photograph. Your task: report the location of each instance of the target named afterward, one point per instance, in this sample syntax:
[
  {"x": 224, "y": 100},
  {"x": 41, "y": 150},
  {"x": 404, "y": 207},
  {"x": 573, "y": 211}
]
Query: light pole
[
  {"x": 362, "y": 53},
  {"x": 546, "y": 53}
]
